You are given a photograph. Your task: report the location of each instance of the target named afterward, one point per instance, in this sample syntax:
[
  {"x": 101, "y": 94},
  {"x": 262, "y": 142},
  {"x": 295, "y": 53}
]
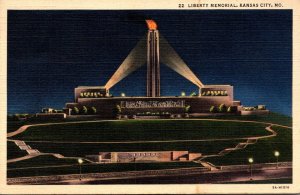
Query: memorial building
[{"x": 152, "y": 49}]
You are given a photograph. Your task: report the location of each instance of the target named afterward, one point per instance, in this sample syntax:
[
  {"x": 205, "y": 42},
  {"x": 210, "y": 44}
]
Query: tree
[
  {"x": 193, "y": 94},
  {"x": 232, "y": 109},
  {"x": 118, "y": 109},
  {"x": 222, "y": 108},
  {"x": 75, "y": 110},
  {"x": 93, "y": 110},
  {"x": 229, "y": 109},
  {"x": 187, "y": 108},
  {"x": 84, "y": 110},
  {"x": 212, "y": 109}
]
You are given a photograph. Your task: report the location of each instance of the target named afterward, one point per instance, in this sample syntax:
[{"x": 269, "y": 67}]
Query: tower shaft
[{"x": 153, "y": 67}]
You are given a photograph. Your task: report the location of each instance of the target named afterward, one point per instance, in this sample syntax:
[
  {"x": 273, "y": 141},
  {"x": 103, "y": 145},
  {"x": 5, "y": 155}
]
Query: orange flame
[{"x": 151, "y": 24}]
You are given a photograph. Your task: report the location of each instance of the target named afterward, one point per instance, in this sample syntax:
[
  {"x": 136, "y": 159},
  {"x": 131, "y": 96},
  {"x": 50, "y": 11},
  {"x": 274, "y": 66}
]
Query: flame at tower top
[{"x": 151, "y": 24}]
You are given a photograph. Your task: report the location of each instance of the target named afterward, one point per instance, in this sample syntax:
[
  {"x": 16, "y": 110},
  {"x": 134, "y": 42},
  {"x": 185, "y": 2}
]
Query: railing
[{"x": 256, "y": 166}]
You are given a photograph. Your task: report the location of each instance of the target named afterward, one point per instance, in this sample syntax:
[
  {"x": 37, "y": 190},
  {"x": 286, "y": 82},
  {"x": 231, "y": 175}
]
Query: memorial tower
[{"x": 153, "y": 67}]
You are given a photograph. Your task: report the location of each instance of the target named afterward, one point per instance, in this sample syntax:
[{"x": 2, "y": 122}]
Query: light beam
[
  {"x": 136, "y": 58},
  {"x": 170, "y": 58}
]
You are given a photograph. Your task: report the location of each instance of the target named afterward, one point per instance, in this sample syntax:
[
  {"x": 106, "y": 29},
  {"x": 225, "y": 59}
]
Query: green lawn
[
  {"x": 142, "y": 130},
  {"x": 13, "y": 151},
  {"x": 270, "y": 118},
  {"x": 42, "y": 160},
  {"x": 14, "y": 125},
  {"x": 67, "y": 149},
  {"x": 138, "y": 130},
  {"x": 262, "y": 151},
  {"x": 96, "y": 168}
]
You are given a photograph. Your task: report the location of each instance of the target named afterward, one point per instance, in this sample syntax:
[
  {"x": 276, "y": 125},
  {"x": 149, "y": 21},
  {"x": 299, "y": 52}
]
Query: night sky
[{"x": 52, "y": 52}]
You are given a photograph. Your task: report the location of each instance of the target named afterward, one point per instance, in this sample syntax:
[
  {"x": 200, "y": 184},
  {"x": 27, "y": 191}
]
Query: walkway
[{"x": 241, "y": 145}]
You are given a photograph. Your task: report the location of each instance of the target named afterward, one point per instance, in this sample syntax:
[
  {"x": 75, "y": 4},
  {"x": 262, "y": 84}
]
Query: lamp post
[
  {"x": 276, "y": 154},
  {"x": 80, "y": 161},
  {"x": 250, "y": 160}
]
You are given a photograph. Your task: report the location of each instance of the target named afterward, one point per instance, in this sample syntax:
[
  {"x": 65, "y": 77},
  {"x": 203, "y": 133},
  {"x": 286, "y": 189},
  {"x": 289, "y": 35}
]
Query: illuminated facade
[{"x": 150, "y": 50}]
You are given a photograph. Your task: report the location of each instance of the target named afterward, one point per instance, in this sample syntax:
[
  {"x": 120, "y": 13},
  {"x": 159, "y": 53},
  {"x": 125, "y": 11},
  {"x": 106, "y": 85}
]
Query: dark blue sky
[{"x": 52, "y": 52}]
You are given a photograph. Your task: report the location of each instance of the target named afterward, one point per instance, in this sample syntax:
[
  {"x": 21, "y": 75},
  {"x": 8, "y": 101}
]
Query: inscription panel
[{"x": 153, "y": 104}]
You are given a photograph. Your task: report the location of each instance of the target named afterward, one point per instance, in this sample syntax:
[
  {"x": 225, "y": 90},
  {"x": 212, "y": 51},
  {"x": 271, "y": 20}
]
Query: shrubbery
[
  {"x": 222, "y": 109},
  {"x": 118, "y": 109},
  {"x": 18, "y": 117},
  {"x": 75, "y": 110},
  {"x": 84, "y": 110},
  {"x": 258, "y": 107},
  {"x": 187, "y": 108},
  {"x": 215, "y": 93},
  {"x": 193, "y": 94},
  {"x": 212, "y": 109},
  {"x": 231, "y": 109},
  {"x": 91, "y": 95},
  {"x": 93, "y": 110}
]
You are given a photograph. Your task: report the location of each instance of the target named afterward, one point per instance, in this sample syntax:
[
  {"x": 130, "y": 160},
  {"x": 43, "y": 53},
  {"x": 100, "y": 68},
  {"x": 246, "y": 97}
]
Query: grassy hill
[
  {"x": 272, "y": 117},
  {"x": 262, "y": 151},
  {"x": 142, "y": 130},
  {"x": 48, "y": 165},
  {"x": 13, "y": 151},
  {"x": 149, "y": 130},
  {"x": 82, "y": 149}
]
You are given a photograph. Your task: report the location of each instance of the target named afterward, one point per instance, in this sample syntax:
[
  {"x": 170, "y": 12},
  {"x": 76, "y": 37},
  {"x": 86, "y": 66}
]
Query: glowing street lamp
[
  {"x": 250, "y": 160},
  {"x": 276, "y": 154},
  {"x": 123, "y": 95},
  {"x": 80, "y": 161},
  {"x": 183, "y": 93}
]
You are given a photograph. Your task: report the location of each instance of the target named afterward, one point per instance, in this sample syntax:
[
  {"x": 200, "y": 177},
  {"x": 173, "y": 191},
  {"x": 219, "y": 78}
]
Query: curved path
[
  {"x": 21, "y": 158},
  {"x": 250, "y": 140},
  {"x": 239, "y": 146},
  {"x": 242, "y": 145},
  {"x": 25, "y": 127},
  {"x": 34, "y": 153}
]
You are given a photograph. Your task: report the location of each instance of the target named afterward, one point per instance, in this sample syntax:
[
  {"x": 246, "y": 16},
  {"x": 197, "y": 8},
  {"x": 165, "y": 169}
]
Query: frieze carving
[{"x": 153, "y": 104}]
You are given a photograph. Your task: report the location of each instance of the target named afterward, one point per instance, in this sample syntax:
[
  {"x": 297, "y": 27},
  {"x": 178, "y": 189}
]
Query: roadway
[{"x": 212, "y": 177}]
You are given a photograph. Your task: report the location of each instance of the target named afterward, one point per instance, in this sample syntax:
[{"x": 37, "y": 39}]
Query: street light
[
  {"x": 250, "y": 160},
  {"x": 123, "y": 95},
  {"x": 276, "y": 154},
  {"x": 80, "y": 161},
  {"x": 182, "y": 93}
]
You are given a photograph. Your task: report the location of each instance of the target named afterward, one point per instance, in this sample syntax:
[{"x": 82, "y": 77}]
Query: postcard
[{"x": 149, "y": 97}]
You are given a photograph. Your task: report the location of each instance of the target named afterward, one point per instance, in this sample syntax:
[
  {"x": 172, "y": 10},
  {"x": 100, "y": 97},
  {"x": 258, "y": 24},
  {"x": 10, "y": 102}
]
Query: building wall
[
  {"x": 79, "y": 90},
  {"x": 106, "y": 106},
  {"x": 254, "y": 112},
  {"x": 45, "y": 116},
  {"x": 177, "y": 154},
  {"x": 156, "y": 156},
  {"x": 227, "y": 88},
  {"x": 152, "y": 156},
  {"x": 193, "y": 156}
]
